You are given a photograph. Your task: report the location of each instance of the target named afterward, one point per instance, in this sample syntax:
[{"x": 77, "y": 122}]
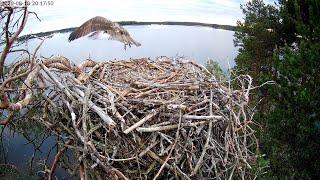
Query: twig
[
  {"x": 139, "y": 123},
  {"x": 56, "y": 159}
]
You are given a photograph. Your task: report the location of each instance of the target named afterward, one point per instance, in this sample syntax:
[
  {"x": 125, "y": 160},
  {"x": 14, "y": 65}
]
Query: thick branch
[{"x": 11, "y": 39}]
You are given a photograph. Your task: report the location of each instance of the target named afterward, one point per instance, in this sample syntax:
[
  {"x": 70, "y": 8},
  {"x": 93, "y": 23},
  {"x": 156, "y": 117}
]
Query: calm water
[
  {"x": 196, "y": 43},
  {"x": 28, "y": 149}
]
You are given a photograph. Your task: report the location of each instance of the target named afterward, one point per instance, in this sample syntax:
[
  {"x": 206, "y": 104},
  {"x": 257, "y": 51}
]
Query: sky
[{"x": 72, "y": 13}]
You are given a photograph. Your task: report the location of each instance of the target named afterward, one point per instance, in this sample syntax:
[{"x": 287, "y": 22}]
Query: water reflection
[
  {"x": 26, "y": 148},
  {"x": 198, "y": 43}
]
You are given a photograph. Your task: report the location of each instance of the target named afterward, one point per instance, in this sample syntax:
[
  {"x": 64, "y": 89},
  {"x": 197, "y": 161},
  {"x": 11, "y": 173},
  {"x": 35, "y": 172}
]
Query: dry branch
[{"x": 143, "y": 118}]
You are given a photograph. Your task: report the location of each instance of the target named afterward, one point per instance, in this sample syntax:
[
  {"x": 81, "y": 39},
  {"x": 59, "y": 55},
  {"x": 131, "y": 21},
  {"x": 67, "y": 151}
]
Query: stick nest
[{"x": 143, "y": 119}]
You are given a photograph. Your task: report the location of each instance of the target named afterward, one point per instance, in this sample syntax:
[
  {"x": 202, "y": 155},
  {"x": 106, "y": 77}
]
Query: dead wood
[{"x": 145, "y": 118}]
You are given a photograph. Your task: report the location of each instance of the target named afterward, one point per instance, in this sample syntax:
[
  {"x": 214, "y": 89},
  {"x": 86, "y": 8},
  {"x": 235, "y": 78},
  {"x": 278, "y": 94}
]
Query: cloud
[{"x": 72, "y": 13}]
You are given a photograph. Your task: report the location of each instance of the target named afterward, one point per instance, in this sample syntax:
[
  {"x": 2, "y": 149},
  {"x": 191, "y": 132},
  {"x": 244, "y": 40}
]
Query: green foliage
[
  {"x": 290, "y": 55},
  {"x": 300, "y": 20},
  {"x": 293, "y": 133},
  {"x": 260, "y": 167},
  {"x": 214, "y": 68},
  {"x": 257, "y": 38},
  {"x": 292, "y": 137}
]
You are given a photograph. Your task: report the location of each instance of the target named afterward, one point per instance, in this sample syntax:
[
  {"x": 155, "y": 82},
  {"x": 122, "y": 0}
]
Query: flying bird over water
[{"x": 100, "y": 24}]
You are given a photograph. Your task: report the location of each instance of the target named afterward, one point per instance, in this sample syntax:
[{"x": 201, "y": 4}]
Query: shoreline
[{"x": 137, "y": 23}]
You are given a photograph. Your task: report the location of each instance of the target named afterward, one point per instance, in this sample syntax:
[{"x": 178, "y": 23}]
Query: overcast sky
[{"x": 72, "y": 13}]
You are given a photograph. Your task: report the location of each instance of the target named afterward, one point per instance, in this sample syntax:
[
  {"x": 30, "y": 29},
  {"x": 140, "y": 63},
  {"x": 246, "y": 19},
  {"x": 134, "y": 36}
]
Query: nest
[{"x": 143, "y": 119}]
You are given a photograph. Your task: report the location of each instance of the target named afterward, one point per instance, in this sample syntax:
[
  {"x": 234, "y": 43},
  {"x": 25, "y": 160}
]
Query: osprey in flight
[{"x": 100, "y": 24}]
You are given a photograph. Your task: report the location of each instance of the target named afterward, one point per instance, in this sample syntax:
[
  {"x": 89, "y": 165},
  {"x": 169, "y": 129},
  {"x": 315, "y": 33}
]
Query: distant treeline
[{"x": 125, "y": 23}]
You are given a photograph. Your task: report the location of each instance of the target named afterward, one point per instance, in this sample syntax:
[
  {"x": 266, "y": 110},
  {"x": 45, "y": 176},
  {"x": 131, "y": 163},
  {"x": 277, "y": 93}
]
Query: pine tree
[
  {"x": 257, "y": 38},
  {"x": 283, "y": 44},
  {"x": 292, "y": 140}
]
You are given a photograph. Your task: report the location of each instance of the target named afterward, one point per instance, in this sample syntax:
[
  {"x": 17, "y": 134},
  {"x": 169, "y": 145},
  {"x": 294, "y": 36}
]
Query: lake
[
  {"x": 27, "y": 148},
  {"x": 196, "y": 43}
]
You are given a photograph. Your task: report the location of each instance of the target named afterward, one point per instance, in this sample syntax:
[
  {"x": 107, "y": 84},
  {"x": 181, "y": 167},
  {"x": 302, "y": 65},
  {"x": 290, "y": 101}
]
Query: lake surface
[
  {"x": 27, "y": 148},
  {"x": 194, "y": 42}
]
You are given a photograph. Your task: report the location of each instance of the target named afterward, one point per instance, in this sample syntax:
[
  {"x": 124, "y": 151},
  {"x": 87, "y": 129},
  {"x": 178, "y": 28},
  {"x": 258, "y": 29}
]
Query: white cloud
[{"x": 71, "y": 13}]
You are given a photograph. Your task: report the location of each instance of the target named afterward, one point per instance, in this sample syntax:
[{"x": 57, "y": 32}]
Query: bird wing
[
  {"x": 95, "y": 24},
  {"x": 98, "y": 23}
]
